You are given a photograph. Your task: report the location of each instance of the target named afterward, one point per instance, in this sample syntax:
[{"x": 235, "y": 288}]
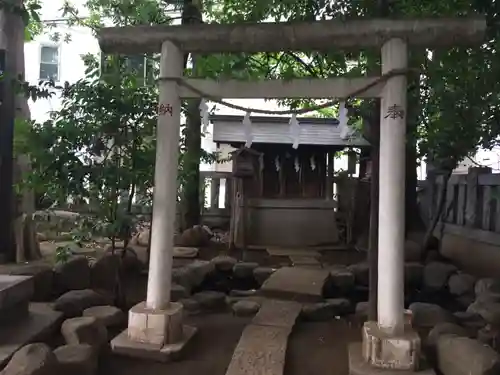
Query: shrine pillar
[
  {"x": 391, "y": 229},
  {"x": 390, "y": 343},
  {"x": 155, "y": 327},
  {"x": 165, "y": 178}
]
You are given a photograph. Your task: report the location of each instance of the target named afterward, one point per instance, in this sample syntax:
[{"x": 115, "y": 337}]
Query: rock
[
  {"x": 442, "y": 329},
  {"x": 489, "y": 336},
  {"x": 471, "y": 321},
  {"x": 436, "y": 275},
  {"x": 223, "y": 263},
  {"x": 244, "y": 270},
  {"x": 465, "y": 300},
  {"x": 78, "y": 359},
  {"x": 427, "y": 315},
  {"x": 242, "y": 293},
  {"x": 208, "y": 231},
  {"x": 190, "y": 305},
  {"x": 103, "y": 271},
  {"x": 245, "y": 308},
  {"x": 178, "y": 292},
  {"x": 464, "y": 356},
  {"x": 413, "y": 251},
  {"x": 433, "y": 256},
  {"x": 487, "y": 287},
  {"x": 194, "y": 237},
  {"x": 464, "y": 316},
  {"x": 261, "y": 274},
  {"x": 210, "y": 300},
  {"x": 109, "y": 316},
  {"x": 85, "y": 330},
  {"x": 461, "y": 284},
  {"x": 73, "y": 303},
  {"x": 73, "y": 275},
  {"x": 192, "y": 275},
  {"x": 326, "y": 310},
  {"x": 413, "y": 274},
  {"x": 32, "y": 359},
  {"x": 489, "y": 310},
  {"x": 361, "y": 310},
  {"x": 361, "y": 273},
  {"x": 129, "y": 262},
  {"x": 342, "y": 280},
  {"x": 487, "y": 297},
  {"x": 143, "y": 238},
  {"x": 185, "y": 252}
]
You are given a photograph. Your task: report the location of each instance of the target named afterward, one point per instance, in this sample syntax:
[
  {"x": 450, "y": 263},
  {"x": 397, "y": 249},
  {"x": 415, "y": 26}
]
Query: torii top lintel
[{"x": 298, "y": 36}]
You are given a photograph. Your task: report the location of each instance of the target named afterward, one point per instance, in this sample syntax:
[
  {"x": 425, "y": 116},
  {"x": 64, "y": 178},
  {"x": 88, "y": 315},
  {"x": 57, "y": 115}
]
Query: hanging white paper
[
  {"x": 313, "y": 163},
  {"x": 296, "y": 164},
  {"x": 204, "y": 114},
  {"x": 294, "y": 131},
  {"x": 247, "y": 126},
  {"x": 345, "y": 130},
  {"x": 277, "y": 163}
]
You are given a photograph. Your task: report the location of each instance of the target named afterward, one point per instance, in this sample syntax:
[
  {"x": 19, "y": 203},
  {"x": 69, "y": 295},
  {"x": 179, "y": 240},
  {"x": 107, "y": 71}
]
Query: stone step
[
  {"x": 296, "y": 283},
  {"x": 262, "y": 346}
]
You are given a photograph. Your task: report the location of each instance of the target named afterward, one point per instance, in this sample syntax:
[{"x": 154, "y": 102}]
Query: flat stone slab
[
  {"x": 278, "y": 314},
  {"x": 261, "y": 350},
  {"x": 289, "y": 252},
  {"x": 358, "y": 366},
  {"x": 295, "y": 283},
  {"x": 121, "y": 344},
  {"x": 301, "y": 260},
  {"x": 15, "y": 289},
  {"x": 41, "y": 321}
]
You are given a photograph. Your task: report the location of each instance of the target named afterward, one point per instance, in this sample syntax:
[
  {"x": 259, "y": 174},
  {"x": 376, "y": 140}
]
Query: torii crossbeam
[{"x": 155, "y": 327}]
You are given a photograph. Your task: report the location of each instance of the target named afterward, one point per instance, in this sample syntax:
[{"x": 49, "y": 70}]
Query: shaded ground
[
  {"x": 320, "y": 348},
  {"x": 209, "y": 353},
  {"x": 313, "y": 349}
]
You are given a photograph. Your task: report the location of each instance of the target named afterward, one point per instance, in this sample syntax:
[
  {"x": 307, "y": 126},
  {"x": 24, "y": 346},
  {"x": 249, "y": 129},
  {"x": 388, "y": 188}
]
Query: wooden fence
[{"x": 472, "y": 205}]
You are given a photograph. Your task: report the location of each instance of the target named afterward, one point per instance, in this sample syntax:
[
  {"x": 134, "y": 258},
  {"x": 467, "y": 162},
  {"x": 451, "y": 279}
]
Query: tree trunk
[
  {"x": 190, "y": 195},
  {"x": 7, "y": 115},
  {"x": 27, "y": 247}
]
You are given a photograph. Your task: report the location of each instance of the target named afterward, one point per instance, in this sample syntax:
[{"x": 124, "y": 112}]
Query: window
[{"x": 49, "y": 63}]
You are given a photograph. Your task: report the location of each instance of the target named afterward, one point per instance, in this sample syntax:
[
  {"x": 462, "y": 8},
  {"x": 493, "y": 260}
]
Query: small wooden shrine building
[{"x": 284, "y": 196}]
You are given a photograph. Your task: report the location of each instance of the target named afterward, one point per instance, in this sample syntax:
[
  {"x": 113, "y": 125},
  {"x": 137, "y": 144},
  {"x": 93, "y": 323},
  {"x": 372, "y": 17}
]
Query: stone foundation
[
  {"x": 396, "y": 352},
  {"x": 382, "y": 353},
  {"x": 154, "y": 334}
]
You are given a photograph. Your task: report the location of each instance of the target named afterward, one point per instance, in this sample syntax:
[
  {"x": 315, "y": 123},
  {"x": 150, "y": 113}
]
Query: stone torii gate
[{"x": 155, "y": 327}]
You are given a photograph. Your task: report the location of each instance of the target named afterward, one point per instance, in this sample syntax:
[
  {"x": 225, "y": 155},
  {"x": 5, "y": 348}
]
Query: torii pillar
[{"x": 155, "y": 327}]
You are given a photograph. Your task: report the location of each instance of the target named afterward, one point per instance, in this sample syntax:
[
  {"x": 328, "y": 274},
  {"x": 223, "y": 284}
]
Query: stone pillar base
[
  {"x": 395, "y": 352},
  {"x": 154, "y": 334},
  {"x": 358, "y": 365}
]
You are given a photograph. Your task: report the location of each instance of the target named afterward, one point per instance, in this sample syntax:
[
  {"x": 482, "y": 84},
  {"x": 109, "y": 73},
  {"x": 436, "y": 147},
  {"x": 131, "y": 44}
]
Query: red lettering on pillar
[{"x": 163, "y": 109}]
